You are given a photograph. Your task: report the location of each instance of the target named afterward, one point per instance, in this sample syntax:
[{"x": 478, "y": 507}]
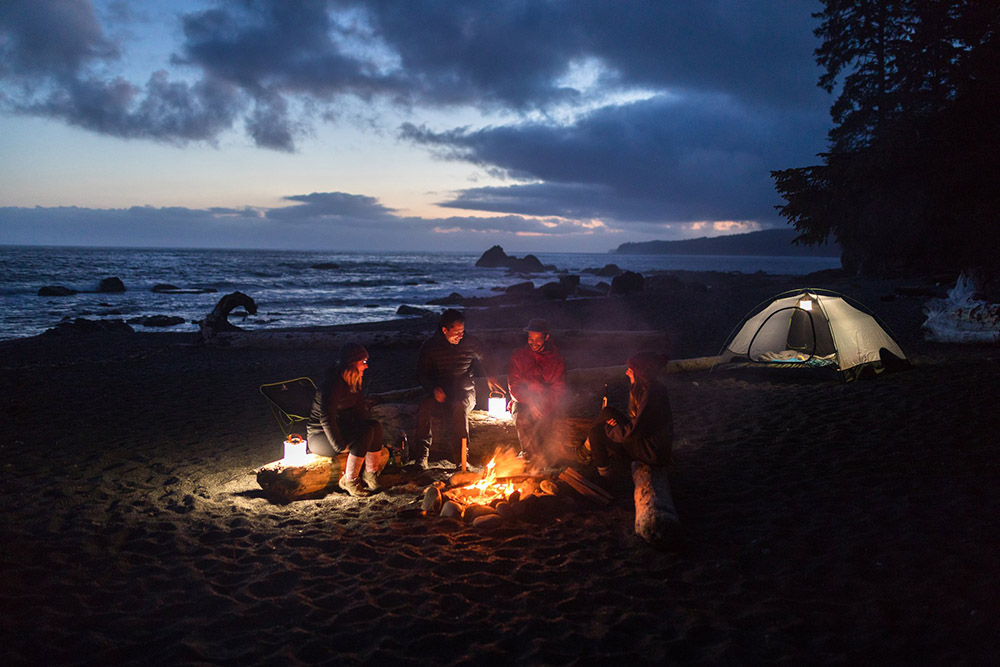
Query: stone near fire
[
  {"x": 487, "y": 521},
  {"x": 505, "y": 510},
  {"x": 548, "y": 487},
  {"x": 473, "y": 512},
  {"x": 432, "y": 500},
  {"x": 451, "y": 510}
]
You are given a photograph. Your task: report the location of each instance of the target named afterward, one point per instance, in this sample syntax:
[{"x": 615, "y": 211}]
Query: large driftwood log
[
  {"x": 656, "y": 519},
  {"x": 297, "y": 339},
  {"x": 314, "y": 477}
]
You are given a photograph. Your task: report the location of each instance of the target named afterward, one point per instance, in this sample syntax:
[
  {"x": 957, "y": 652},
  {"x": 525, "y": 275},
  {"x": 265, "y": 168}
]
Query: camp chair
[{"x": 290, "y": 402}]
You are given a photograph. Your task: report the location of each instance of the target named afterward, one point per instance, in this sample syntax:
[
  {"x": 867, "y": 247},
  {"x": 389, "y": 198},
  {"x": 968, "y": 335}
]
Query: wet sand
[{"x": 824, "y": 523}]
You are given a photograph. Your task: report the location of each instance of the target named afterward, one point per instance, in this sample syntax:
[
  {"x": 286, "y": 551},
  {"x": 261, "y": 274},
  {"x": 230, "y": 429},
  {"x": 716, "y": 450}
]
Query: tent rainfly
[{"x": 813, "y": 329}]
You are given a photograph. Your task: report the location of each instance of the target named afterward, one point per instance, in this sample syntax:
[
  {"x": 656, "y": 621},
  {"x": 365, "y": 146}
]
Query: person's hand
[
  {"x": 439, "y": 395},
  {"x": 612, "y": 423}
]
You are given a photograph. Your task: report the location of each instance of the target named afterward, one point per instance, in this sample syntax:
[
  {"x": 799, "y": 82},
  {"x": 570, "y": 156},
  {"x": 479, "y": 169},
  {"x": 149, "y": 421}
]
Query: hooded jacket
[{"x": 537, "y": 378}]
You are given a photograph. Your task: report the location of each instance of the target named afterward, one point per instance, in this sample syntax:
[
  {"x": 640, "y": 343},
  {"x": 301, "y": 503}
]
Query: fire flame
[{"x": 488, "y": 489}]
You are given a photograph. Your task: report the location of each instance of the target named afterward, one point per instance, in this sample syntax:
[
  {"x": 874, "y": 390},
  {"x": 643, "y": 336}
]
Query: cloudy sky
[{"x": 401, "y": 124}]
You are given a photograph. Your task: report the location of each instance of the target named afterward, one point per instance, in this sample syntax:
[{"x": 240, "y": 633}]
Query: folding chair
[{"x": 290, "y": 402}]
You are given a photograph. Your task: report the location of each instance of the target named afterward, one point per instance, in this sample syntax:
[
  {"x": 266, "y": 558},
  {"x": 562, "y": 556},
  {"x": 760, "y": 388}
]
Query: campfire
[
  {"x": 505, "y": 492},
  {"x": 488, "y": 489}
]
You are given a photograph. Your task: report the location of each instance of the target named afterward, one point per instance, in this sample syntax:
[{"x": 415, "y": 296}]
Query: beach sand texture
[{"x": 824, "y": 522}]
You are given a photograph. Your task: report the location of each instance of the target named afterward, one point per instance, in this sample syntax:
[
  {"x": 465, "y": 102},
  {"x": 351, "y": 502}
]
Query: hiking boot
[
  {"x": 423, "y": 463},
  {"x": 353, "y": 487},
  {"x": 371, "y": 481}
]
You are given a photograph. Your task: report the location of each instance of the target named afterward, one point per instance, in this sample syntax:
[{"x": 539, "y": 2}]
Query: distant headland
[{"x": 766, "y": 243}]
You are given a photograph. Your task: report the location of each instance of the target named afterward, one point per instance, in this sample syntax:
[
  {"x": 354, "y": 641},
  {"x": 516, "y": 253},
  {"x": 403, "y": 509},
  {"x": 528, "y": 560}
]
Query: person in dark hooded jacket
[
  {"x": 646, "y": 432},
  {"x": 536, "y": 377},
  {"x": 339, "y": 420}
]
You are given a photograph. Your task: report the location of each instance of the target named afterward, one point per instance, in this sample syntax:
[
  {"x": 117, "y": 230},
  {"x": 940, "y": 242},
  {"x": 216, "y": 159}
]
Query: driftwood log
[
  {"x": 297, "y": 339},
  {"x": 314, "y": 477},
  {"x": 656, "y": 519}
]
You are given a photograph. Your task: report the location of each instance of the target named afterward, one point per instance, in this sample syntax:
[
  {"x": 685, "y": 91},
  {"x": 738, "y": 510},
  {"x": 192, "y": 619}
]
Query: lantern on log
[
  {"x": 295, "y": 449},
  {"x": 497, "y": 405}
]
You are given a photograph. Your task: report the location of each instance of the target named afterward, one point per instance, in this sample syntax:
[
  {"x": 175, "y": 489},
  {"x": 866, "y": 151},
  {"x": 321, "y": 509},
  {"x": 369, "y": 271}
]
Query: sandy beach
[{"x": 825, "y": 523}]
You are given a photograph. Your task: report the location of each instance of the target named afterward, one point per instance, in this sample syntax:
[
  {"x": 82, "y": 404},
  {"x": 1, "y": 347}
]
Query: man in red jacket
[{"x": 537, "y": 382}]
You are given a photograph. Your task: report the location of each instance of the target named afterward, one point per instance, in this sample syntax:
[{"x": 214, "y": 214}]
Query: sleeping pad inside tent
[{"x": 812, "y": 330}]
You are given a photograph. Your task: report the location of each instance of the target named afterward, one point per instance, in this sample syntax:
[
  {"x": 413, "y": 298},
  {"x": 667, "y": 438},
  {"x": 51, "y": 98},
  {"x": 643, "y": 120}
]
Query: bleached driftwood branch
[{"x": 656, "y": 519}]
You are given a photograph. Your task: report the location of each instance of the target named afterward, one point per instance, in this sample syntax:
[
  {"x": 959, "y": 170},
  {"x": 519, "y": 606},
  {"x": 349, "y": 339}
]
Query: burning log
[{"x": 656, "y": 519}]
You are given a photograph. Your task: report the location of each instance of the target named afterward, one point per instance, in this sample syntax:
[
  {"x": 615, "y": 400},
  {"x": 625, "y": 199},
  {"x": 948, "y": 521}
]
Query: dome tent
[{"x": 814, "y": 329}]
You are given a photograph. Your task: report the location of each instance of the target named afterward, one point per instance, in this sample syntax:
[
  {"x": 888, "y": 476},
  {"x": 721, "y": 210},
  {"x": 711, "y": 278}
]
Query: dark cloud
[
  {"x": 332, "y": 205},
  {"x": 514, "y": 54},
  {"x": 658, "y": 160},
  {"x": 54, "y": 38}
]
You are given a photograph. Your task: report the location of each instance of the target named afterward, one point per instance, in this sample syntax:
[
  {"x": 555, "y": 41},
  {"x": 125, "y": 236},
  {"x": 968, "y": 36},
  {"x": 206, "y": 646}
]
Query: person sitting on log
[
  {"x": 446, "y": 369},
  {"x": 339, "y": 420},
  {"x": 536, "y": 377},
  {"x": 646, "y": 432}
]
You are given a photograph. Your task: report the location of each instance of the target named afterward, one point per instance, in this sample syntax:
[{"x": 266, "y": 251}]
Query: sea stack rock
[
  {"x": 111, "y": 285},
  {"x": 527, "y": 264},
  {"x": 55, "y": 290},
  {"x": 493, "y": 258},
  {"x": 627, "y": 282}
]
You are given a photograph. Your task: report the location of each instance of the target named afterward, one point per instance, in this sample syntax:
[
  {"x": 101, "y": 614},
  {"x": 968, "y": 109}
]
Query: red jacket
[{"x": 537, "y": 378}]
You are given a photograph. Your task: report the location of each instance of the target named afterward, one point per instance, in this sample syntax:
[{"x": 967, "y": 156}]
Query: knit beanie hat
[
  {"x": 351, "y": 353},
  {"x": 647, "y": 363}
]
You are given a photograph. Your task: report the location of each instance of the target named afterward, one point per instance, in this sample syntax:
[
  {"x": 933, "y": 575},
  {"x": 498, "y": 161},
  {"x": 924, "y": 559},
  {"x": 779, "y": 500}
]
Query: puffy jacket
[
  {"x": 537, "y": 378},
  {"x": 451, "y": 367}
]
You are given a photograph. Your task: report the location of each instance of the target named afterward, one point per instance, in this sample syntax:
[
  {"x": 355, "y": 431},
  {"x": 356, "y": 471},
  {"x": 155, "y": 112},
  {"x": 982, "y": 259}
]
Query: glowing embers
[{"x": 295, "y": 452}]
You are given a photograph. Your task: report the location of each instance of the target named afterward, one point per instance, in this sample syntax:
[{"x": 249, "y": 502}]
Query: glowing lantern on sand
[{"x": 295, "y": 449}]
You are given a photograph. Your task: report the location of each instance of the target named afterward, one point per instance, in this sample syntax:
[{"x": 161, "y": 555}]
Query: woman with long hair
[
  {"x": 339, "y": 421},
  {"x": 646, "y": 432}
]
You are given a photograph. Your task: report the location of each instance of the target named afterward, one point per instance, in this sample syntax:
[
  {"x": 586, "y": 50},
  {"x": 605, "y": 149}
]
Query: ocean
[{"x": 355, "y": 287}]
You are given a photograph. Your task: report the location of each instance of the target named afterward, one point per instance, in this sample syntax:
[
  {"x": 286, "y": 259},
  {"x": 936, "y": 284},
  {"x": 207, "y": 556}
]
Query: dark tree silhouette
[{"x": 908, "y": 182}]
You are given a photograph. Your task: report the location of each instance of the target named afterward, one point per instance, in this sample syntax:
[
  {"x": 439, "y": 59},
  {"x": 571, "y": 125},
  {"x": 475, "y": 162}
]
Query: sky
[{"x": 541, "y": 126}]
